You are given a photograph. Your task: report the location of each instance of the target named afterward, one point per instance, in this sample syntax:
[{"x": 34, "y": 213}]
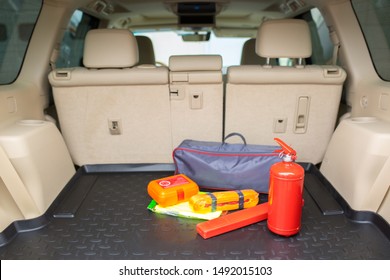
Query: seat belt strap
[
  {"x": 336, "y": 46},
  {"x": 54, "y": 56}
]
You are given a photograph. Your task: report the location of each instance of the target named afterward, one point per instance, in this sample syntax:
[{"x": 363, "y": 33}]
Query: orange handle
[{"x": 286, "y": 149}]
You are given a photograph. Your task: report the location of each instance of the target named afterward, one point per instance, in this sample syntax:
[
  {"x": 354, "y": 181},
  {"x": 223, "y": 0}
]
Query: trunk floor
[{"x": 102, "y": 214}]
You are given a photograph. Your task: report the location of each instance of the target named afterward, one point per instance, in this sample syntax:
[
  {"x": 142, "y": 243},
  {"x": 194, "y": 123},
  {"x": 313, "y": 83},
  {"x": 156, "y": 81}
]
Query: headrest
[
  {"x": 195, "y": 63},
  {"x": 249, "y": 56},
  {"x": 288, "y": 38},
  {"x": 146, "y": 50},
  {"x": 110, "y": 48}
]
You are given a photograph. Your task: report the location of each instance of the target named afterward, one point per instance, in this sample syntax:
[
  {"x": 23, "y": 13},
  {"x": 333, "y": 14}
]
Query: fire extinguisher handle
[{"x": 286, "y": 149}]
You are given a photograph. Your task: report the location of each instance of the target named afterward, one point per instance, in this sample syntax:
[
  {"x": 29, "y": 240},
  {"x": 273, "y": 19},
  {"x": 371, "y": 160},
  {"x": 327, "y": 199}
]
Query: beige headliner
[{"x": 234, "y": 17}]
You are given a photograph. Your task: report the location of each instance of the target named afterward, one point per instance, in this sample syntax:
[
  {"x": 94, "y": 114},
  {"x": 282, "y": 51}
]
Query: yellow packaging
[
  {"x": 224, "y": 201},
  {"x": 172, "y": 190}
]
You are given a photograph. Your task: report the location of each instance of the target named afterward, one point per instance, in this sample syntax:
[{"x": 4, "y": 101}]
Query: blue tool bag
[{"x": 224, "y": 166}]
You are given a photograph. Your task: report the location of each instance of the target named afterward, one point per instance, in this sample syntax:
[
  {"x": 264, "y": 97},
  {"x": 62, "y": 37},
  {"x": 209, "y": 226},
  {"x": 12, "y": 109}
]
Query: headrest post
[{"x": 267, "y": 63}]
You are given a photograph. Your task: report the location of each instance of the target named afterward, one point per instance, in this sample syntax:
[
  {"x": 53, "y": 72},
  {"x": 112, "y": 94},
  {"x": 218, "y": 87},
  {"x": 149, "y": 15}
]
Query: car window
[
  {"x": 167, "y": 43},
  {"x": 374, "y": 21},
  {"x": 17, "y": 21},
  {"x": 72, "y": 45},
  {"x": 322, "y": 44}
]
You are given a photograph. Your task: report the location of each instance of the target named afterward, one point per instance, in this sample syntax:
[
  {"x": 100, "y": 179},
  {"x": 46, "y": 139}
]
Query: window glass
[
  {"x": 374, "y": 20},
  {"x": 167, "y": 43},
  {"x": 17, "y": 21},
  {"x": 72, "y": 45},
  {"x": 322, "y": 44}
]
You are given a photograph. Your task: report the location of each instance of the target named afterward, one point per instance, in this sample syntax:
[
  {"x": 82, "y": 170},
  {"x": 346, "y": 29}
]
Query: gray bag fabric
[{"x": 224, "y": 166}]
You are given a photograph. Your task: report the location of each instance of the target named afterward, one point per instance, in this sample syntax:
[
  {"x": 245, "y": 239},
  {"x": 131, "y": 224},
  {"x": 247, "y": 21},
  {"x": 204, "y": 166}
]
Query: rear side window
[
  {"x": 374, "y": 21},
  {"x": 72, "y": 45},
  {"x": 17, "y": 21},
  {"x": 322, "y": 44}
]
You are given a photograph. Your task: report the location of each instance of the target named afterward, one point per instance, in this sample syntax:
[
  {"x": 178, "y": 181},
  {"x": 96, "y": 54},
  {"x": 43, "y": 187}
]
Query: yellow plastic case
[
  {"x": 172, "y": 190},
  {"x": 224, "y": 201}
]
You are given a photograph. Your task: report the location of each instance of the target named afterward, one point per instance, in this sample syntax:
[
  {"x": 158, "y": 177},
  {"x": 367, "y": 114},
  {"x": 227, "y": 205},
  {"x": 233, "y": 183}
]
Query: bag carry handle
[{"x": 235, "y": 134}]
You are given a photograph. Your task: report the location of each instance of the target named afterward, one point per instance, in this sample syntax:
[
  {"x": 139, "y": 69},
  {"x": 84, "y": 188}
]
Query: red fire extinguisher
[{"x": 285, "y": 193}]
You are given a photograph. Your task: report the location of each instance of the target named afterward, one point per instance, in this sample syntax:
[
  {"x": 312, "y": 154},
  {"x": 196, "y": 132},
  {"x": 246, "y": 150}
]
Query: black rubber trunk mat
[{"x": 102, "y": 214}]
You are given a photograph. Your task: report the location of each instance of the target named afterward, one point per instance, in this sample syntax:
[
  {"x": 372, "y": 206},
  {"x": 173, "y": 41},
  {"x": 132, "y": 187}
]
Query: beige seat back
[
  {"x": 196, "y": 92},
  {"x": 249, "y": 56},
  {"x": 109, "y": 110},
  {"x": 298, "y": 104},
  {"x": 146, "y": 50}
]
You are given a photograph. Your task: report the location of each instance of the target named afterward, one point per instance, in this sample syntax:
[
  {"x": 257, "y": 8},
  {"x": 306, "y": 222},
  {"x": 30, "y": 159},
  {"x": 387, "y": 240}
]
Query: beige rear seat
[
  {"x": 196, "y": 89},
  {"x": 111, "y": 111},
  {"x": 146, "y": 50},
  {"x": 249, "y": 55},
  {"x": 297, "y": 104}
]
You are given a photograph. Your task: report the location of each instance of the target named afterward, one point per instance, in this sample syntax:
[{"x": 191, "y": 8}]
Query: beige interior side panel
[
  {"x": 384, "y": 209},
  {"x": 9, "y": 211},
  {"x": 35, "y": 165},
  {"x": 357, "y": 162},
  {"x": 29, "y": 94},
  {"x": 366, "y": 93},
  {"x": 16, "y": 187}
]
